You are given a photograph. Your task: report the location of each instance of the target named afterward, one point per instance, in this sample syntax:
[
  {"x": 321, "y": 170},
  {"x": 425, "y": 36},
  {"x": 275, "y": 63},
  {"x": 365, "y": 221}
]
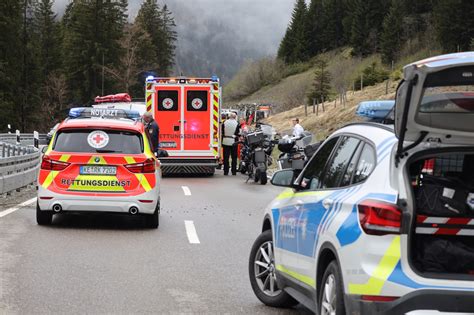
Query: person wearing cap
[
  {"x": 297, "y": 128},
  {"x": 152, "y": 130},
  {"x": 229, "y": 134}
]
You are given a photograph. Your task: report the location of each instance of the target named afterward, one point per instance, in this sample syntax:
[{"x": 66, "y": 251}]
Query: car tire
[
  {"x": 43, "y": 217},
  {"x": 262, "y": 273},
  {"x": 331, "y": 296},
  {"x": 153, "y": 221}
]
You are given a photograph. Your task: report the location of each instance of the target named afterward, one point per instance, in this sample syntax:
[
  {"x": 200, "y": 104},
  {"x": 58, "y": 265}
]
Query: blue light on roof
[
  {"x": 215, "y": 78},
  {"x": 375, "y": 109},
  {"x": 76, "y": 112},
  {"x": 150, "y": 78}
]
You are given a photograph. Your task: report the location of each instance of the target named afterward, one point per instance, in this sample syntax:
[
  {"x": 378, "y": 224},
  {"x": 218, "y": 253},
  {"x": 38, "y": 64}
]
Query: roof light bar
[{"x": 89, "y": 112}]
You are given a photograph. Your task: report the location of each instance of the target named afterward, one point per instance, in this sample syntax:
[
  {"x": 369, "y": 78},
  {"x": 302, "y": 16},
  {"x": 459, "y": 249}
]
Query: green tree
[
  {"x": 10, "y": 60},
  {"x": 392, "y": 35},
  {"x": 315, "y": 27},
  {"x": 332, "y": 35},
  {"x": 92, "y": 33},
  {"x": 321, "y": 88},
  {"x": 159, "y": 24},
  {"x": 294, "y": 46},
  {"x": 454, "y": 24}
]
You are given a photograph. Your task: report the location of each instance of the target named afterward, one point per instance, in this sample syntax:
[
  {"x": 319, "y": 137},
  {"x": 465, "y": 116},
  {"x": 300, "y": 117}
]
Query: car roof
[
  {"x": 102, "y": 123},
  {"x": 375, "y": 132},
  {"x": 446, "y": 60}
]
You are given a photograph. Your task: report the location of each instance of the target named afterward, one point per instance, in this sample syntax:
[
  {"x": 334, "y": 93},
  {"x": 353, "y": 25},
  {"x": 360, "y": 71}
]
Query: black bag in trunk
[
  {"x": 444, "y": 197},
  {"x": 440, "y": 254}
]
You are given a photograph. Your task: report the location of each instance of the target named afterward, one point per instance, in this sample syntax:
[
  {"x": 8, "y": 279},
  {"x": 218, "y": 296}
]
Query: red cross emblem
[
  {"x": 197, "y": 103},
  {"x": 168, "y": 103},
  {"x": 98, "y": 139}
]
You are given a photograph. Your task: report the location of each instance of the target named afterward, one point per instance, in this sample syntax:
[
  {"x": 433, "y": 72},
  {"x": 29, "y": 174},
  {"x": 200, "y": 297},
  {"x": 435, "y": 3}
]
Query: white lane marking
[
  {"x": 191, "y": 232},
  {"x": 187, "y": 191},
  {"x": 19, "y": 206}
]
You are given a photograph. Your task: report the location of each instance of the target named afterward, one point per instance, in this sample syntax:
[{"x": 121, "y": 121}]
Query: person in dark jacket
[{"x": 153, "y": 130}]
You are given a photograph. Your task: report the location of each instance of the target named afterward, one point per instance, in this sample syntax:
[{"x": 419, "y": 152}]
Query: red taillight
[
  {"x": 52, "y": 165},
  {"x": 379, "y": 298},
  {"x": 148, "y": 166},
  {"x": 378, "y": 218}
]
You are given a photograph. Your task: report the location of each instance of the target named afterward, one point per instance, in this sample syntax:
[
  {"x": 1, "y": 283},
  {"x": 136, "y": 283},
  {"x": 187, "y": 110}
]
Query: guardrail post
[
  {"x": 18, "y": 136},
  {"x": 9, "y": 128},
  {"x": 36, "y": 139}
]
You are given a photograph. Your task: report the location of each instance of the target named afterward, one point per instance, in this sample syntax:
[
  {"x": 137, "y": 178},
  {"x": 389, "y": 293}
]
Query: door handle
[
  {"x": 182, "y": 121},
  {"x": 328, "y": 203}
]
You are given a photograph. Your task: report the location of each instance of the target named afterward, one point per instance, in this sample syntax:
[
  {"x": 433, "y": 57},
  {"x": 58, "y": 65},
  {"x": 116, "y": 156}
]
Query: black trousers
[{"x": 230, "y": 151}]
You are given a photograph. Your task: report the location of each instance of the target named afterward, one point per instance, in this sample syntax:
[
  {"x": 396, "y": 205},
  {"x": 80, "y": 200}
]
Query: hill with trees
[
  {"x": 48, "y": 64},
  {"x": 333, "y": 46}
]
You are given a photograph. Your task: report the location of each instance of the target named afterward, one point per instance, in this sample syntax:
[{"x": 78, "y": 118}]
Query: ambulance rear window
[{"x": 99, "y": 141}]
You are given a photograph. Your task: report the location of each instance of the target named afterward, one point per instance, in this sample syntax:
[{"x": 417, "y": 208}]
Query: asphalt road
[
  {"x": 111, "y": 264},
  {"x": 102, "y": 264}
]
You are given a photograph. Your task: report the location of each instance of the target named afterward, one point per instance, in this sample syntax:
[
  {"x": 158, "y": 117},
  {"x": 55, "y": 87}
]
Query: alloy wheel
[
  {"x": 328, "y": 303},
  {"x": 265, "y": 270}
]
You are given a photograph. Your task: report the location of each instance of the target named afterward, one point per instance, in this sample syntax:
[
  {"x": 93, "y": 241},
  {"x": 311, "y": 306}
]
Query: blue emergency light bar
[
  {"x": 89, "y": 112},
  {"x": 375, "y": 109}
]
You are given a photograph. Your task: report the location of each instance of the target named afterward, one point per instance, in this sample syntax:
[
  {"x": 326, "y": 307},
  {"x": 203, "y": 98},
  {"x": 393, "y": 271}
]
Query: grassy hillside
[{"x": 335, "y": 115}]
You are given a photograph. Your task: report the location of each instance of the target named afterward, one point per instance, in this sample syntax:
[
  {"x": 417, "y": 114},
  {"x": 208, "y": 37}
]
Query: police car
[
  {"x": 99, "y": 160},
  {"x": 381, "y": 220}
]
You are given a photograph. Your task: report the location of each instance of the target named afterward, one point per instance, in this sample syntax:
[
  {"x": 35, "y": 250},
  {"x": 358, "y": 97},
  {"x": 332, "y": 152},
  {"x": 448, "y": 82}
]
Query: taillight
[
  {"x": 148, "y": 166},
  {"x": 53, "y": 165},
  {"x": 379, "y": 218}
]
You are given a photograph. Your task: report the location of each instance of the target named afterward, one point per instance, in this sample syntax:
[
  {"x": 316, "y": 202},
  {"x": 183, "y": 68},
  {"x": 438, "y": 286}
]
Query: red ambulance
[{"x": 187, "y": 111}]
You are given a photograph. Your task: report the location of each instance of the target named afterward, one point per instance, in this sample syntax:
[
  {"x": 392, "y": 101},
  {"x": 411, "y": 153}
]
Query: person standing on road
[
  {"x": 297, "y": 128},
  {"x": 152, "y": 130},
  {"x": 229, "y": 134}
]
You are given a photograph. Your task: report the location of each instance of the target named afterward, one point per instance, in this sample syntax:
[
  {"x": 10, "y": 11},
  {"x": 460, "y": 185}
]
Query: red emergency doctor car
[
  {"x": 99, "y": 160},
  {"x": 187, "y": 111}
]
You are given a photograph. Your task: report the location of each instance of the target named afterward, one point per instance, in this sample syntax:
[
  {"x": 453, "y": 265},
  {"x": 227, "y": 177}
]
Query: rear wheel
[
  {"x": 263, "y": 178},
  {"x": 43, "y": 217},
  {"x": 262, "y": 273},
  {"x": 153, "y": 221},
  {"x": 331, "y": 297}
]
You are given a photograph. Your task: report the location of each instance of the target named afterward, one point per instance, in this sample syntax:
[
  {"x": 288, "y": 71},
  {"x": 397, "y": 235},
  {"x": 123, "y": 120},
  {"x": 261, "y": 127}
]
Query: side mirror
[
  {"x": 44, "y": 149},
  {"x": 284, "y": 178}
]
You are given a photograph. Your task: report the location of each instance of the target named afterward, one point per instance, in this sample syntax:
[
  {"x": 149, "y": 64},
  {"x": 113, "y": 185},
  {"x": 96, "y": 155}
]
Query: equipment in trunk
[{"x": 443, "y": 236}]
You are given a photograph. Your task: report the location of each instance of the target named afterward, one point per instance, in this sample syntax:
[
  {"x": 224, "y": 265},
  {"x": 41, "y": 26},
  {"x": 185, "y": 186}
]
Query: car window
[
  {"x": 342, "y": 156},
  {"x": 84, "y": 141},
  {"x": 312, "y": 175},
  {"x": 366, "y": 164},
  {"x": 347, "y": 178}
]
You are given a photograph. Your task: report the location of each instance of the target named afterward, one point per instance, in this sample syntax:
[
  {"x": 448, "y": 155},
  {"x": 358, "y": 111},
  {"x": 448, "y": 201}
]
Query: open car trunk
[{"x": 442, "y": 236}]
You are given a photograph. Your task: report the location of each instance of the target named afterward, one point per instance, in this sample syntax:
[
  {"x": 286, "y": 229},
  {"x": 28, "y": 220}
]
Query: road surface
[{"x": 196, "y": 262}]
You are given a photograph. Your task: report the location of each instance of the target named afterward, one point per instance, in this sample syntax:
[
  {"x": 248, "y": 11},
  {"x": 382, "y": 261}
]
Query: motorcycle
[
  {"x": 256, "y": 154},
  {"x": 293, "y": 152}
]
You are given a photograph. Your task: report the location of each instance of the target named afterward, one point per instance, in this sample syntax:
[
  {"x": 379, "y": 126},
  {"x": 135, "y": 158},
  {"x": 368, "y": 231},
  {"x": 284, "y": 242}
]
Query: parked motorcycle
[
  {"x": 293, "y": 153},
  {"x": 256, "y": 154}
]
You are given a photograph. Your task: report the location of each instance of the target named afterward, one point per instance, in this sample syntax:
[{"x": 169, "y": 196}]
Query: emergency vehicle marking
[
  {"x": 197, "y": 103},
  {"x": 168, "y": 103},
  {"x": 141, "y": 177},
  {"x": 98, "y": 139}
]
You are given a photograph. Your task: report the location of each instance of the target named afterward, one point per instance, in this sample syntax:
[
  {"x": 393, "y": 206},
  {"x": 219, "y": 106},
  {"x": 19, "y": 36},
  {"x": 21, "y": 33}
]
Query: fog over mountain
[{"x": 217, "y": 36}]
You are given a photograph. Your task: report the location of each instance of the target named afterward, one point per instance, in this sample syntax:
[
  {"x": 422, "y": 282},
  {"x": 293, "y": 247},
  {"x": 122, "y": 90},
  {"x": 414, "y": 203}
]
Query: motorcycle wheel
[
  {"x": 256, "y": 176},
  {"x": 263, "y": 178}
]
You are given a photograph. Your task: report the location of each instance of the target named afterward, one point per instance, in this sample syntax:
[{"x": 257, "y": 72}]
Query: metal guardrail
[{"x": 19, "y": 163}]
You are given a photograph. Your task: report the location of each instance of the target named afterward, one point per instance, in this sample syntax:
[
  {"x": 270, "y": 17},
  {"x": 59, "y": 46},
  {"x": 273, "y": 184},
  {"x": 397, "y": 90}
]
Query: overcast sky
[{"x": 259, "y": 23}]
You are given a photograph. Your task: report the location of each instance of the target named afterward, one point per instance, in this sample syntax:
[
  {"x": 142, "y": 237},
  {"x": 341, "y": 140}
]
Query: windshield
[{"x": 98, "y": 141}]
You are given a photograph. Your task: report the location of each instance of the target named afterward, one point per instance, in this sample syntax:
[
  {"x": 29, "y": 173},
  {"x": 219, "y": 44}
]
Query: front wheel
[
  {"x": 262, "y": 273},
  {"x": 331, "y": 297}
]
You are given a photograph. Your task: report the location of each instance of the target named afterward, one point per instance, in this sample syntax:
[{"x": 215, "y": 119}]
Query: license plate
[
  {"x": 98, "y": 170},
  {"x": 167, "y": 144}
]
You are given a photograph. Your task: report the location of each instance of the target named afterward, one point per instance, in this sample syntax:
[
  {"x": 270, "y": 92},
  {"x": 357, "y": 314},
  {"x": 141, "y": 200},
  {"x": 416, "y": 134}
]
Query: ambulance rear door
[
  {"x": 197, "y": 129},
  {"x": 168, "y": 115}
]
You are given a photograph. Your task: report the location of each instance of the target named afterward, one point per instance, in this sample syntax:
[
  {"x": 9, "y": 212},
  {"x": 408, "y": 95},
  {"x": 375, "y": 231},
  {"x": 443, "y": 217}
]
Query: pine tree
[
  {"x": 92, "y": 33},
  {"x": 294, "y": 46},
  {"x": 315, "y": 27},
  {"x": 391, "y": 37},
  {"x": 454, "y": 24},
  {"x": 159, "y": 24},
  {"x": 321, "y": 88},
  {"x": 332, "y": 35},
  {"x": 10, "y": 60}
]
